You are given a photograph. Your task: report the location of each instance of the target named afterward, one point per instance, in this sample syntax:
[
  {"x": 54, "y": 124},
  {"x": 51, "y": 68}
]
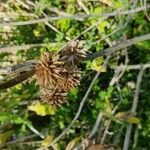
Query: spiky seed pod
[
  {"x": 47, "y": 70},
  {"x": 54, "y": 98},
  {"x": 70, "y": 79},
  {"x": 74, "y": 52}
]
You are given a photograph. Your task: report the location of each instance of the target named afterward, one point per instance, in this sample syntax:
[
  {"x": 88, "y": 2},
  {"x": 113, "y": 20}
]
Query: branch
[
  {"x": 113, "y": 111},
  {"x": 17, "y": 74},
  {"x": 135, "y": 138},
  {"x": 118, "y": 71},
  {"x": 36, "y": 132},
  {"x": 133, "y": 109},
  {"x": 133, "y": 67},
  {"x": 117, "y": 47},
  {"x": 75, "y": 17},
  {"x": 18, "y": 140},
  {"x": 96, "y": 125}
]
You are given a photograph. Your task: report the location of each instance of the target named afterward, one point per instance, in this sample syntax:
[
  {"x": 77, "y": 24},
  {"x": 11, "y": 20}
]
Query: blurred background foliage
[{"x": 21, "y": 111}]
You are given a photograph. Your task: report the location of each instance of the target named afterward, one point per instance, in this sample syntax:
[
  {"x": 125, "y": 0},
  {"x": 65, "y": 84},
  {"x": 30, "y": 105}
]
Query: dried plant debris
[{"x": 58, "y": 74}]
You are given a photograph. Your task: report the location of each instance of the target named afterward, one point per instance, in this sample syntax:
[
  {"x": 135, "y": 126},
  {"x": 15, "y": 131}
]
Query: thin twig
[
  {"x": 18, "y": 140},
  {"x": 78, "y": 112},
  {"x": 75, "y": 17},
  {"x": 127, "y": 137},
  {"x": 113, "y": 112},
  {"x": 133, "y": 67},
  {"x": 135, "y": 138},
  {"x": 86, "y": 142},
  {"x": 133, "y": 109},
  {"x": 119, "y": 46},
  {"x": 104, "y": 37},
  {"x": 96, "y": 125},
  {"x": 119, "y": 72},
  {"x": 82, "y": 5},
  {"x": 106, "y": 131},
  {"x": 54, "y": 28},
  {"x": 117, "y": 138},
  {"x": 12, "y": 48},
  {"x": 114, "y": 109},
  {"x": 91, "y": 27},
  {"x": 36, "y": 132},
  {"x": 143, "y": 3}
]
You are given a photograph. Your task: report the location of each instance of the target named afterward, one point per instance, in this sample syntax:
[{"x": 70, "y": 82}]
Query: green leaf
[
  {"x": 3, "y": 118},
  {"x": 97, "y": 65},
  {"x": 18, "y": 120},
  {"x": 133, "y": 120},
  {"x": 102, "y": 26},
  {"x": 42, "y": 109},
  {"x": 102, "y": 94},
  {"x": 63, "y": 24},
  {"x": 122, "y": 116},
  {"x": 47, "y": 140}
]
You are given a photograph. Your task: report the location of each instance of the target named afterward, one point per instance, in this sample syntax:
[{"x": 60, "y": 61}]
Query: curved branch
[{"x": 15, "y": 78}]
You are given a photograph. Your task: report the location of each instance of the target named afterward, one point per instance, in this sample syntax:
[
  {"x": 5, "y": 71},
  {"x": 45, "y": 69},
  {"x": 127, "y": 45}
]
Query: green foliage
[{"x": 42, "y": 109}]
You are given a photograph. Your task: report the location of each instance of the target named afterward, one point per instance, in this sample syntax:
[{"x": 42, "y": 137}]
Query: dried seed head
[
  {"x": 57, "y": 76},
  {"x": 47, "y": 70},
  {"x": 70, "y": 79},
  {"x": 74, "y": 52},
  {"x": 54, "y": 98}
]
